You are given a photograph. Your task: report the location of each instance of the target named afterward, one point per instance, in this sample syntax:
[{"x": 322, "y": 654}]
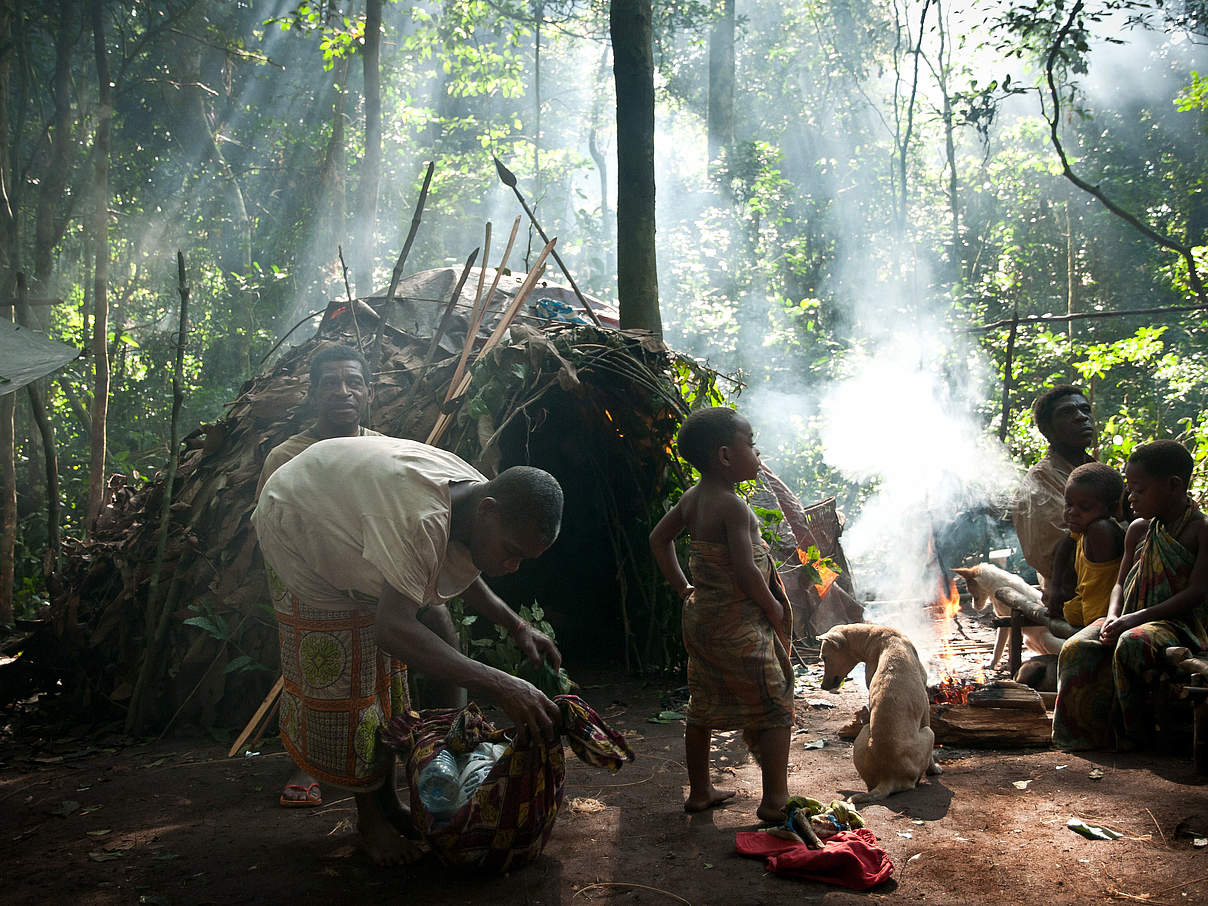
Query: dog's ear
[
  {"x": 966, "y": 574},
  {"x": 834, "y": 635}
]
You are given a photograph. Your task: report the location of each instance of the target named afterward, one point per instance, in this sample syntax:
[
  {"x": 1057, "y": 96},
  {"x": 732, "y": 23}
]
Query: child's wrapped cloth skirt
[{"x": 508, "y": 820}]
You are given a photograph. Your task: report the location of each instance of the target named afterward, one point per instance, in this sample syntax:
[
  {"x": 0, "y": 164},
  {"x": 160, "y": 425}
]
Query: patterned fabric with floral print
[{"x": 339, "y": 690}]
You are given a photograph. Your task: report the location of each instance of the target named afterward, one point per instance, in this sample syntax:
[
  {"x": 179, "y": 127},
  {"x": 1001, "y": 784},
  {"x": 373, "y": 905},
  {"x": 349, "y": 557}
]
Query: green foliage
[
  {"x": 500, "y": 651},
  {"x": 216, "y": 627}
]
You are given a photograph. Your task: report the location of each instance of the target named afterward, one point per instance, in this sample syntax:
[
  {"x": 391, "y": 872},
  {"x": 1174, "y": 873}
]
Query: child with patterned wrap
[
  {"x": 1160, "y": 599},
  {"x": 737, "y": 623}
]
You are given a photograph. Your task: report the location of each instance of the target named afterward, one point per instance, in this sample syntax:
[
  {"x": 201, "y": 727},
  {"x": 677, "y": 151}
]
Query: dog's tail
[{"x": 751, "y": 738}]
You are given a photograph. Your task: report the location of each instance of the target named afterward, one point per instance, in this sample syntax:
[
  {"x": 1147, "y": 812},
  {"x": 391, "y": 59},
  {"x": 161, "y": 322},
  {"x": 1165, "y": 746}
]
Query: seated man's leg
[{"x": 440, "y": 693}]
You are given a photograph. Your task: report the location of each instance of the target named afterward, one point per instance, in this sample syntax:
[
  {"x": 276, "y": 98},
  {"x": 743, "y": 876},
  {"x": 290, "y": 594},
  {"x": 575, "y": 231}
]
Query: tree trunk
[
  {"x": 721, "y": 84},
  {"x": 8, "y": 470},
  {"x": 371, "y": 165},
  {"x": 50, "y": 219},
  {"x": 333, "y": 209},
  {"x": 37, "y": 405},
  {"x": 633, "y": 69},
  {"x": 539, "y": 16},
  {"x": 1071, "y": 276},
  {"x": 100, "y": 321}
]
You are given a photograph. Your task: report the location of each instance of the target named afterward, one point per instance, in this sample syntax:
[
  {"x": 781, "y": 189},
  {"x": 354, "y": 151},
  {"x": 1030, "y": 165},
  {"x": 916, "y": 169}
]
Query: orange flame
[{"x": 948, "y": 605}]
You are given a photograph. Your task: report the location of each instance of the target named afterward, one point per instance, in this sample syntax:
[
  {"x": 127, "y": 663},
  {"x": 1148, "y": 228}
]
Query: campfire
[
  {"x": 966, "y": 710},
  {"x": 953, "y": 687}
]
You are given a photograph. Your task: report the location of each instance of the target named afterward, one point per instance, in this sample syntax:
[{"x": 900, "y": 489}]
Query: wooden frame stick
[{"x": 254, "y": 723}]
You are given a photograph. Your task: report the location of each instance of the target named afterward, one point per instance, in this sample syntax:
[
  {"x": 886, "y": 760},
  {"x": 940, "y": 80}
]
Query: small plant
[
  {"x": 216, "y": 627},
  {"x": 502, "y": 653}
]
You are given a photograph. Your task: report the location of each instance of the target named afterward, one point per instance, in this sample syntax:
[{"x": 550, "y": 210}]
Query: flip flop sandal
[{"x": 313, "y": 795}]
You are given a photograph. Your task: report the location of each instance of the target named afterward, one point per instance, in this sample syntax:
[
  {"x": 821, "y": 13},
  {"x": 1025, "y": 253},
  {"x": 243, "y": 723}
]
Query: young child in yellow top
[
  {"x": 737, "y": 623},
  {"x": 1092, "y": 501}
]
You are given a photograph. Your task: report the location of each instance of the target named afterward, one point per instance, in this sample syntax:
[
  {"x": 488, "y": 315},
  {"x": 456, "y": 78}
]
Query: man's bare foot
[
  {"x": 395, "y": 812},
  {"x": 714, "y": 798},
  {"x": 382, "y": 842}
]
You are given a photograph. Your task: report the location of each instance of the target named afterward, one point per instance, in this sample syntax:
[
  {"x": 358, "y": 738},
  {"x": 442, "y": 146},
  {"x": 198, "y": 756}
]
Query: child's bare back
[{"x": 705, "y": 509}]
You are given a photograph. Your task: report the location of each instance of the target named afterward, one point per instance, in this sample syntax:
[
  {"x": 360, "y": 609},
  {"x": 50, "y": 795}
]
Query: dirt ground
[{"x": 95, "y": 821}]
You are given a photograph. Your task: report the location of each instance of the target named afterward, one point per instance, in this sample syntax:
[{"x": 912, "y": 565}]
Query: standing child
[
  {"x": 737, "y": 622},
  {"x": 1092, "y": 502},
  {"x": 1160, "y": 599}
]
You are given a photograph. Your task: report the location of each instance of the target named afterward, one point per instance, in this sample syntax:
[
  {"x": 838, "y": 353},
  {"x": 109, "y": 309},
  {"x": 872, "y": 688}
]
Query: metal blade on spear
[{"x": 508, "y": 178}]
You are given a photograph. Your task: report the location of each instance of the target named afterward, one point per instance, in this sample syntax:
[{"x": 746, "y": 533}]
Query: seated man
[
  {"x": 1063, "y": 416},
  {"x": 359, "y": 533}
]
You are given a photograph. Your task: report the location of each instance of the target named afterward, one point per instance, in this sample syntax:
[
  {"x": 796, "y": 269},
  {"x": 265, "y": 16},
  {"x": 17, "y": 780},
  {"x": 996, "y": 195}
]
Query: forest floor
[{"x": 95, "y": 821}]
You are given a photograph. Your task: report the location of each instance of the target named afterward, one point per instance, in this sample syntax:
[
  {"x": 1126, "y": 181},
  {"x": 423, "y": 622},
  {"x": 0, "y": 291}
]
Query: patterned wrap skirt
[
  {"x": 739, "y": 675},
  {"x": 340, "y": 689}
]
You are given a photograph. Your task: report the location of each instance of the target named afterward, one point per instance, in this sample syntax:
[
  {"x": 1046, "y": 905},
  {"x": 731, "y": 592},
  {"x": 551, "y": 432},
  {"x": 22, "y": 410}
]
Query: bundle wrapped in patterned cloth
[{"x": 508, "y": 820}]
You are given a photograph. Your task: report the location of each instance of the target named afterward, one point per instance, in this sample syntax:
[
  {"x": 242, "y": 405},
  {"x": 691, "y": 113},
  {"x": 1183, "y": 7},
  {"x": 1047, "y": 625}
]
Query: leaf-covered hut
[{"x": 597, "y": 407}]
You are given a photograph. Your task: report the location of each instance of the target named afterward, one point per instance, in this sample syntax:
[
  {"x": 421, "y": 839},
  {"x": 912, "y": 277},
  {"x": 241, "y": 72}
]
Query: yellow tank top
[{"x": 1094, "y": 591}]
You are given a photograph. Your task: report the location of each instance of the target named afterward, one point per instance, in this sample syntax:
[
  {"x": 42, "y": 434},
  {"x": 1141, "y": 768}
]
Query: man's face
[
  {"x": 339, "y": 396},
  {"x": 499, "y": 547},
  {"x": 1072, "y": 425}
]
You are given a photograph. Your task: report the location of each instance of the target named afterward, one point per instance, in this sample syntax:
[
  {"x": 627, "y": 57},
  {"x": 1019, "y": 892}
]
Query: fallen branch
[{"x": 665, "y": 893}]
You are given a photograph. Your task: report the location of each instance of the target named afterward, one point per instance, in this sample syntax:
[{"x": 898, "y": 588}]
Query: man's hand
[
  {"x": 536, "y": 645},
  {"x": 526, "y": 706}
]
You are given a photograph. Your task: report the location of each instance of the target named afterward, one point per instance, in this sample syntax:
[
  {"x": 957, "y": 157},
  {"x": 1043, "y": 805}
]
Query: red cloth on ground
[{"x": 849, "y": 858}]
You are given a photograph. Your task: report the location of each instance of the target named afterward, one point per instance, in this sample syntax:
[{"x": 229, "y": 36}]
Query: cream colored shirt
[
  {"x": 291, "y": 447},
  {"x": 350, "y": 514},
  {"x": 1038, "y": 512}
]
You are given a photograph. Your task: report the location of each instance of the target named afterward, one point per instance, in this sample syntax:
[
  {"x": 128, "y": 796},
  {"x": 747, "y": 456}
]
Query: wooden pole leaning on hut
[
  {"x": 508, "y": 178},
  {"x": 157, "y": 613},
  {"x": 439, "y": 332},
  {"x": 505, "y": 321}
]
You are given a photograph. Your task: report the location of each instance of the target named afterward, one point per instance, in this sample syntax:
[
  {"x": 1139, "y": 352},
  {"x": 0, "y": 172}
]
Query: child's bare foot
[
  {"x": 769, "y": 813},
  {"x": 712, "y": 799}
]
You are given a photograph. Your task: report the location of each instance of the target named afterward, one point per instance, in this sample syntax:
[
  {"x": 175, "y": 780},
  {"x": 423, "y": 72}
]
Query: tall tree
[
  {"x": 371, "y": 164},
  {"x": 52, "y": 215},
  {"x": 629, "y": 24},
  {"x": 721, "y": 82},
  {"x": 8, "y": 251},
  {"x": 100, "y": 277}
]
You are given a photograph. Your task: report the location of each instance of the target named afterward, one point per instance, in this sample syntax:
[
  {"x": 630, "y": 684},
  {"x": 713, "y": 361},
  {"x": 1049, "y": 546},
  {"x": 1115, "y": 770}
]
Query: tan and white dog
[
  {"x": 896, "y": 747},
  {"x": 982, "y": 581}
]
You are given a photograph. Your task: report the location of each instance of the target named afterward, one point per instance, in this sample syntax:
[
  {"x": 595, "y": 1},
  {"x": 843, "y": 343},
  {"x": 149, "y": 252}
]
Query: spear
[
  {"x": 397, "y": 273},
  {"x": 508, "y": 178}
]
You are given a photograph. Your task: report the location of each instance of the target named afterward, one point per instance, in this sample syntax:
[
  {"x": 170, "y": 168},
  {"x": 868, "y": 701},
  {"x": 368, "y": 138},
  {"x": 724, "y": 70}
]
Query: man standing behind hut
[{"x": 340, "y": 392}]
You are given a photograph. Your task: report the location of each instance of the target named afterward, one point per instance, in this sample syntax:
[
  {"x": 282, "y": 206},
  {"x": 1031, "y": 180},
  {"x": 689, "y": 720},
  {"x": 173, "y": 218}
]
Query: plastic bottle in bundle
[
  {"x": 478, "y": 765},
  {"x": 438, "y": 786}
]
